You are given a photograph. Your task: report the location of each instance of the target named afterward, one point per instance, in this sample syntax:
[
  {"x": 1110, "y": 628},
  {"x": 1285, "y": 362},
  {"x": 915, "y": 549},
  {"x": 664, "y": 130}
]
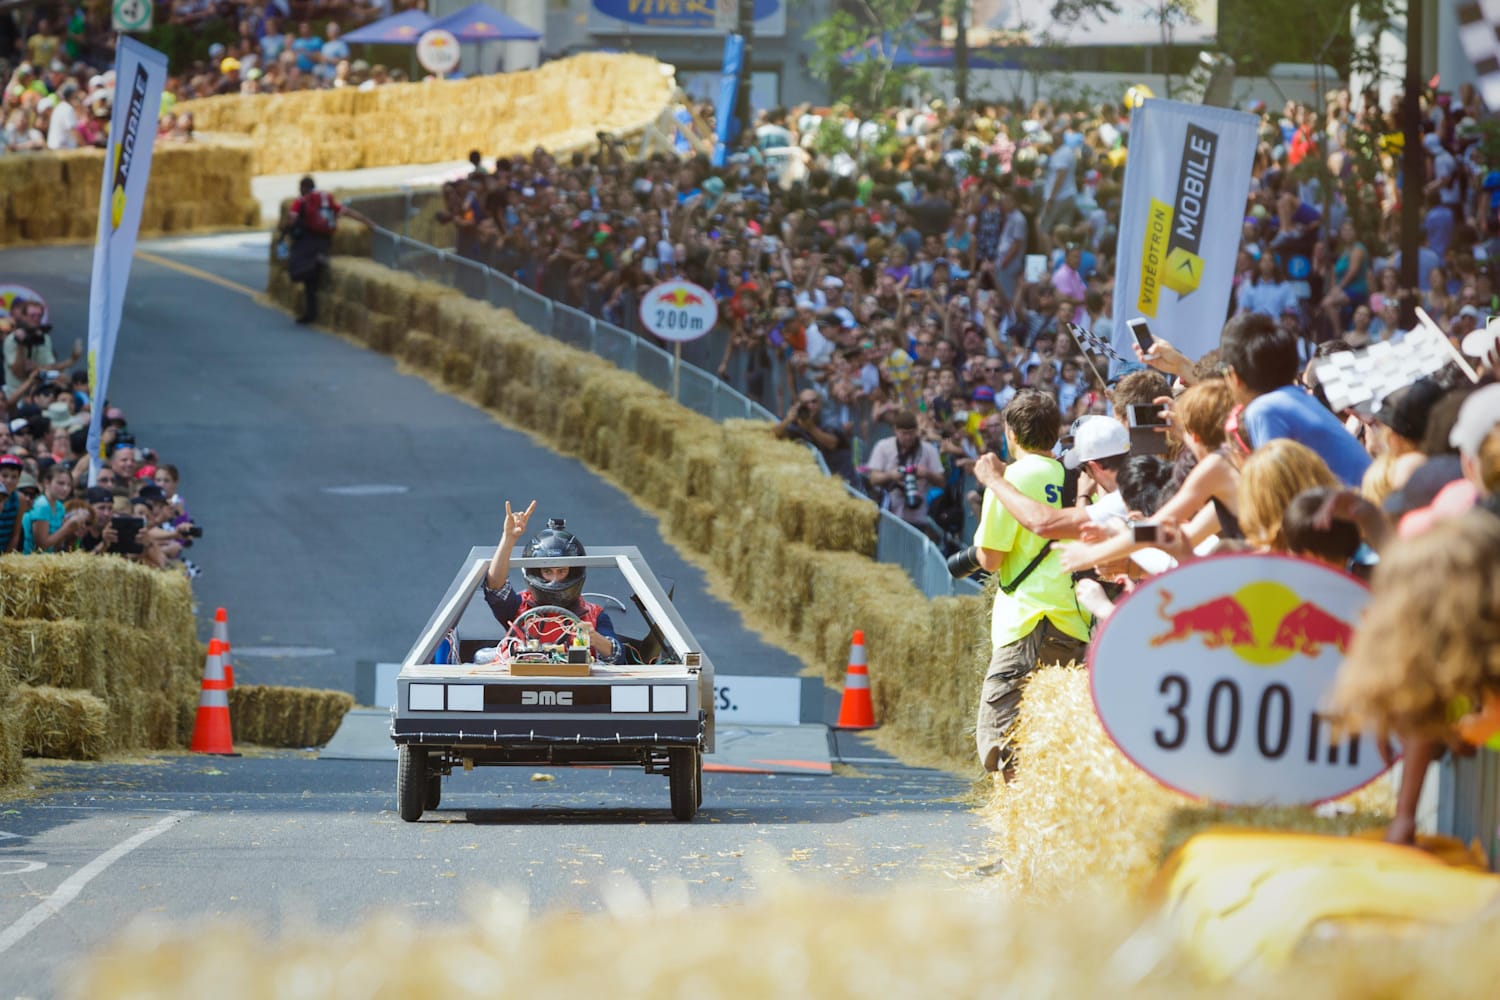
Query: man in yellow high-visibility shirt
[{"x": 1036, "y": 618}]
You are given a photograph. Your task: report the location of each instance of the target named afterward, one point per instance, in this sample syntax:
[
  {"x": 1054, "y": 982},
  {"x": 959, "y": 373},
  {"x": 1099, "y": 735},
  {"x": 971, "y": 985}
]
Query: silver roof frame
[{"x": 625, "y": 558}]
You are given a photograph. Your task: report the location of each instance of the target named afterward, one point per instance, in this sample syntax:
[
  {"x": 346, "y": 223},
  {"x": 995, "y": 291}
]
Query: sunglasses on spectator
[{"x": 994, "y": 368}]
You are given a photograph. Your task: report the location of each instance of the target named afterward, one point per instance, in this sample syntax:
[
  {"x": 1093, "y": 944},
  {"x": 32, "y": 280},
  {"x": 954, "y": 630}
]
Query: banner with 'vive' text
[
  {"x": 1186, "y": 180},
  {"x": 140, "y": 76}
]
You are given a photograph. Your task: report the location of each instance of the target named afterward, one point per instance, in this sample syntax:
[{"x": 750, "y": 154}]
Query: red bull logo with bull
[
  {"x": 679, "y": 310},
  {"x": 1222, "y": 697},
  {"x": 1263, "y": 623}
]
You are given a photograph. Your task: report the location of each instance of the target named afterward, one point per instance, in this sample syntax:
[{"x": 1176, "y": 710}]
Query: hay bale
[
  {"x": 12, "y": 767},
  {"x": 76, "y": 586},
  {"x": 569, "y": 99},
  {"x": 1078, "y": 814},
  {"x": 285, "y": 716},
  {"x": 204, "y": 184},
  {"x": 790, "y": 941},
  {"x": 60, "y": 723}
]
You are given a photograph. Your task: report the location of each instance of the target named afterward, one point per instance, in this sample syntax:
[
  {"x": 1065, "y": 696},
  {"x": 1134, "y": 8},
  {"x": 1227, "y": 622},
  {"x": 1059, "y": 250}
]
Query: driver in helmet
[{"x": 559, "y": 585}]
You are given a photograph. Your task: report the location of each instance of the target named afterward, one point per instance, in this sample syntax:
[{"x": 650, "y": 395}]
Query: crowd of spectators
[
  {"x": 936, "y": 261},
  {"x": 134, "y": 509},
  {"x": 59, "y": 89}
]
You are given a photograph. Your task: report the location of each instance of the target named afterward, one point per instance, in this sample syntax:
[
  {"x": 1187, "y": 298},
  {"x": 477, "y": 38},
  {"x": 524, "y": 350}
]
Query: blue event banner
[{"x": 677, "y": 16}]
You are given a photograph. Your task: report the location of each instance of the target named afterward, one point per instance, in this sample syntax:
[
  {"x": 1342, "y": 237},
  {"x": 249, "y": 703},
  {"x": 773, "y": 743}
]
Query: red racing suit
[{"x": 506, "y": 604}]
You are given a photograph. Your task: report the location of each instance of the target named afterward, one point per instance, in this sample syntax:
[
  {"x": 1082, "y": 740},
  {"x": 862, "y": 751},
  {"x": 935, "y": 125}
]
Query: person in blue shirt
[
  {"x": 1261, "y": 362},
  {"x": 308, "y": 47}
]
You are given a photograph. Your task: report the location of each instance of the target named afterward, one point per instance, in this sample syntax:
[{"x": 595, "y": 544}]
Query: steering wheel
[{"x": 567, "y": 621}]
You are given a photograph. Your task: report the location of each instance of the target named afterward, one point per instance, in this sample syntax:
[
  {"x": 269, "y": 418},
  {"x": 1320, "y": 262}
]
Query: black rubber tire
[
  {"x": 699, "y": 780},
  {"x": 411, "y": 781},
  {"x": 434, "y": 791},
  {"x": 682, "y": 773}
]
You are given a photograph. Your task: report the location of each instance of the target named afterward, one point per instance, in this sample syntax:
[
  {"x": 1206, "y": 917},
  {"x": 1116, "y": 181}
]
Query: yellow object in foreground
[{"x": 1240, "y": 898}]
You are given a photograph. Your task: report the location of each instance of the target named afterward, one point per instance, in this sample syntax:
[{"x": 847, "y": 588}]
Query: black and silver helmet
[{"x": 555, "y": 542}]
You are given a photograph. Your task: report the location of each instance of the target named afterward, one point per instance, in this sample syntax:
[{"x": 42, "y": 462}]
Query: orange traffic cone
[
  {"x": 856, "y": 710},
  {"x": 211, "y": 731},
  {"x": 221, "y": 632}
]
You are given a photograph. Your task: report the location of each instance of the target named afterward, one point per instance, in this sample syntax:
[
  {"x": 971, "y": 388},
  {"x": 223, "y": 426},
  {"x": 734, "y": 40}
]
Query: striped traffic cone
[
  {"x": 856, "y": 710},
  {"x": 211, "y": 730},
  {"x": 221, "y": 632}
]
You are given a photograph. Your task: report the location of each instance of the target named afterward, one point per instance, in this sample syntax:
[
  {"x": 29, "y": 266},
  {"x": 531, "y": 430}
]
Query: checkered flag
[
  {"x": 1093, "y": 345},
  {"x": 1479, "y": 35},
  {"x": 1360, "y": 379}
]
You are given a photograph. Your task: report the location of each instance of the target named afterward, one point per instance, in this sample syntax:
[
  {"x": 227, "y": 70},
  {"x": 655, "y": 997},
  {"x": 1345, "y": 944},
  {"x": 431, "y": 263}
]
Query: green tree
[{"x": 877, "y": 30}]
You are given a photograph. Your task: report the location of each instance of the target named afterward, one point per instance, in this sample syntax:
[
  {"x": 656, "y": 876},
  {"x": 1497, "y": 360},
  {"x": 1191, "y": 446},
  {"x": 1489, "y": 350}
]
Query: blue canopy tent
[
  {"x": 480, "y": 22},
  {"x": 398, "y": 29}
]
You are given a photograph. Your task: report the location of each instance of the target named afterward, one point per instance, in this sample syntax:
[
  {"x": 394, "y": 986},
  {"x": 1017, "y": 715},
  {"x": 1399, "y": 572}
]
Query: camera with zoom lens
[
  {"x": 911, "y": 486},
  {"x": 33, "y": 336},
  {"x": 964, "y": 563},
  {"x": 194, "y": 530}
]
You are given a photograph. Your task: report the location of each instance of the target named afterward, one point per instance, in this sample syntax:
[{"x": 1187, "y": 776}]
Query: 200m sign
[
  {"x": 679, "y": 310},
  {"x": 1211, "y": 678}
]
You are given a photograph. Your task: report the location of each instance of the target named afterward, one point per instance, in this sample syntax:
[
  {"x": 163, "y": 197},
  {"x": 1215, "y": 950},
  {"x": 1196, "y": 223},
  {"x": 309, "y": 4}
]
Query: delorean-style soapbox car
[{"x": 472, "y": 694}]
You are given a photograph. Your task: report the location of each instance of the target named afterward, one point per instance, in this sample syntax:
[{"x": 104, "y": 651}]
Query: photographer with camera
[
  {"x": 903, "y": 467},
  {"x": 1036, "y": 618},
  {"x": 28, "y": 345},
  {"x": 806, "y": 421},
  {"x": 98, "y": 535},
  {"x": 163, "y": 540}
]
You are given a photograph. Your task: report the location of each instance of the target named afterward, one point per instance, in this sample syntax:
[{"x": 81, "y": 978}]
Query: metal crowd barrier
[
  {"x": 1468, "y": 800},
  {"x": 698, "y": 389}
]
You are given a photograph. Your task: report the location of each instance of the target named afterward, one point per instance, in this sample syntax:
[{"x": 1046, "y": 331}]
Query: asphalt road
[
  {"x": 337, "y": 496},
  {"x": 282, "y": 842}
]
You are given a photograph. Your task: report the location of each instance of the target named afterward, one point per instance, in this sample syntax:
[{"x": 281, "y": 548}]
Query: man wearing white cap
[{"x": 1100, "y": 447}]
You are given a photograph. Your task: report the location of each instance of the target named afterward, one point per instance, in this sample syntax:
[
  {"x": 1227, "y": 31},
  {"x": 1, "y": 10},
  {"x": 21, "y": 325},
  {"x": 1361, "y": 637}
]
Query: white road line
[{"x": 73, "y": 884}]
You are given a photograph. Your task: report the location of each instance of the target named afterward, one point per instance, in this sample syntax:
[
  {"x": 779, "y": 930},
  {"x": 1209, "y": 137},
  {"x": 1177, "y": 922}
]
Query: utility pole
[
  {"x": 1413, "y": 163},
  {"x": 742, "y": 106},
  {"x": 961, "y": 50}
]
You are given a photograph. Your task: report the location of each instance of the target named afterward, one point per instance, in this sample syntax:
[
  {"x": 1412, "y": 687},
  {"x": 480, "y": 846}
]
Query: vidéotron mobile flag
[
  {"x": 140, "y": 75},
  {"x": 1184, "y": 202}
]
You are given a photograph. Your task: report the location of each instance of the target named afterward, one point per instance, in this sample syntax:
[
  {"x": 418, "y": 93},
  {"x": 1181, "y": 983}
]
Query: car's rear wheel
[
  {"x": 411, "y": 782},
  {"x": 682, "y": 773}
]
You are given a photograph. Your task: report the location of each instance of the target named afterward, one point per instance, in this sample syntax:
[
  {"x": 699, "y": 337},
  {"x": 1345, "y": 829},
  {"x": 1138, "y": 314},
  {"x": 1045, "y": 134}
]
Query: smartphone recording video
[
  {"x": 1145, "y": 534},
  {"x": 1145, "y": 415},
  {"x": 1142, "y": 333}
]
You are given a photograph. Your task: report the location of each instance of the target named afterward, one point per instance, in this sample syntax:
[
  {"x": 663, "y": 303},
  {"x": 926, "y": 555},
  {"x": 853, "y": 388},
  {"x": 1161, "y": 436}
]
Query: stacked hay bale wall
[
  {"x": 811, "y": 943},
  {"x": 1080, "y": 815},
  {"x": 286, "y": 717},
  {"x": 561, "y": 105},
  {"x": 193, "y": 186},
  {"x": 785, "y": 541},
  {"x": 96, "y": 655}
]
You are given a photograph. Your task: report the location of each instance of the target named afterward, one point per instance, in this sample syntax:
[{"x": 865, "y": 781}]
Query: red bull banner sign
[
  {"x": 1212, "y": 678},
  {"x": 679, "y": 311}
]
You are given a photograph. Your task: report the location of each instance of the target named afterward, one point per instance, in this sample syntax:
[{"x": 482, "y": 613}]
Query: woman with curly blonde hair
[
  {"x": 1428, "y": 645},
  {"x": 1272, "y": 475}
]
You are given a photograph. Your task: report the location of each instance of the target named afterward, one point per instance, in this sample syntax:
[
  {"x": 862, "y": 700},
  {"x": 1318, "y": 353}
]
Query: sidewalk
[{"x": 272, "y": 189}]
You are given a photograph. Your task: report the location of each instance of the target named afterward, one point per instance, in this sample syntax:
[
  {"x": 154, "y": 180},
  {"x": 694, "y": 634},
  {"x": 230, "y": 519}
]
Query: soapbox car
[{"x": 470, "y": 694}]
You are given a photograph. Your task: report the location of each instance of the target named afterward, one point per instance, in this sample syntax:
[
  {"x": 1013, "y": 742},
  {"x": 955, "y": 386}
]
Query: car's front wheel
[{"x": 411, "y": 782}]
